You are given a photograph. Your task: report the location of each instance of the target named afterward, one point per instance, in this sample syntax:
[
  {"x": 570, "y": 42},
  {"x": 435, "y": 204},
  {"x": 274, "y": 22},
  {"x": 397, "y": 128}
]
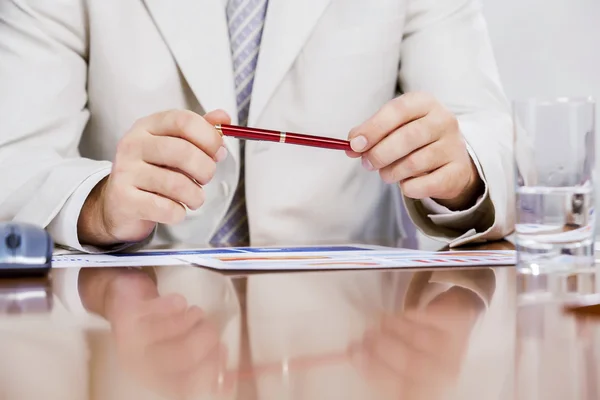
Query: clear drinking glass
[{"x": 554, "y": 157}]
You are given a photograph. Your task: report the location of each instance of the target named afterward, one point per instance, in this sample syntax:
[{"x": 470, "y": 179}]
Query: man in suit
[
  {"x": 412, "y": 84},
  {"x": 142, "y": 83}
]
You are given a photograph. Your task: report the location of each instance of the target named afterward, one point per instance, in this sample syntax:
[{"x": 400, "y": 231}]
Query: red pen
[{"x": 282, "y": 137}]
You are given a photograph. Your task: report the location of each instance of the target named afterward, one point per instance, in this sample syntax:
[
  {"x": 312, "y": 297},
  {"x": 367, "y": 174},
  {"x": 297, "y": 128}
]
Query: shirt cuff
[{"x": 63, "y": 228}]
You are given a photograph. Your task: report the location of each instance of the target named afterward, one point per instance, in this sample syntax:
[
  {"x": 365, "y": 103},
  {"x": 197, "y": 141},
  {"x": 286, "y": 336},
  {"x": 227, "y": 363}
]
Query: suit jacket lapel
[
  {"x": 196, "y": 32},
  {"x": 288, "y": 25}
]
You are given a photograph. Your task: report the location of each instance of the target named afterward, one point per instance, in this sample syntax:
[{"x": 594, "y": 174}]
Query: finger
[
  {"x": 186, "y": 125},
  {"x": 395, "y": 113},
  {"x": 156, "y": 208},
  {"x": 353, "y": 154},
  {"x": 160, "y": 329},
  {"x": 420, "y": 162},
  {"x": 404, "y": 141},
  {"x": 217, "y": 117},
  {"x": 179, "y": 154},
  {"x": 170, "y": 184},
  {"x": 184, "y": 353},
  {"x": 443, "y": 183}
]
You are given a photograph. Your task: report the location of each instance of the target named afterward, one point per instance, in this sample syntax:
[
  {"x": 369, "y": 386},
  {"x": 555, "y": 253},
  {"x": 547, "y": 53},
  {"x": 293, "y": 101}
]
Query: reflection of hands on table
[
  {"x": 418, "y": 354},
  {"x": 164, "y": 343}
]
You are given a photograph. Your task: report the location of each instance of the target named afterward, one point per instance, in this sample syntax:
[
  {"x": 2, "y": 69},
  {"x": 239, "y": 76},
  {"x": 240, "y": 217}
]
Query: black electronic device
[{"x": 25, "y": 250}]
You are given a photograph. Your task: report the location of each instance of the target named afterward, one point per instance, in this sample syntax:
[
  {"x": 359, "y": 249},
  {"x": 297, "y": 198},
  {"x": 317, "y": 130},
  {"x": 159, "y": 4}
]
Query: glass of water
[{"x": 554, "y": 142}]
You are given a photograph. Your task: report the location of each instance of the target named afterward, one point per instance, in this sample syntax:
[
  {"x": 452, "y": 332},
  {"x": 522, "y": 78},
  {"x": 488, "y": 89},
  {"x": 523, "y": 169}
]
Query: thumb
[{"x": 217, "y": 117}]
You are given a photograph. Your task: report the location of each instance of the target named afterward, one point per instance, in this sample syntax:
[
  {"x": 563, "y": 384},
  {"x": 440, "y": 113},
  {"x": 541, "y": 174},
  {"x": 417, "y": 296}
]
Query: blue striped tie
[{"x": 246, "y": 20}]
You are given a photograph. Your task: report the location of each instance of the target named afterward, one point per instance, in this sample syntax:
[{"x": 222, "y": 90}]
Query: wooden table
[{"x": 472, "y": 333}]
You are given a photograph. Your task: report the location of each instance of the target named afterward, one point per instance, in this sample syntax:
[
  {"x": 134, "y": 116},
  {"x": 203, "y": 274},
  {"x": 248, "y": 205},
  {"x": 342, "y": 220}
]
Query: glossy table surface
[{"x": 473, "y": 333}]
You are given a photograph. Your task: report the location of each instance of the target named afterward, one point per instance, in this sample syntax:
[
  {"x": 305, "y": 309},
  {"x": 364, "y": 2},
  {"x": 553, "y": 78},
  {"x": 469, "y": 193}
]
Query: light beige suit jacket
[{"x": 76, "y": 74}]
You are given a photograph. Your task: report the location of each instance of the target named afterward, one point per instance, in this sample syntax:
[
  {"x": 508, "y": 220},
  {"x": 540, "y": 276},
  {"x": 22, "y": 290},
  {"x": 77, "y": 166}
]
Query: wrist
[
  {"x": 474, "y": 188},
  {"x": 91, "y": 225}
]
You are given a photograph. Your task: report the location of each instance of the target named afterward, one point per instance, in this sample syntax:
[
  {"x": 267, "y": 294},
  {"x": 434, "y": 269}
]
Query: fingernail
[
  {"x": 367, "y": 164},
  {"x": 221, "y": 154},
  {"x": 358, "y": 143}
]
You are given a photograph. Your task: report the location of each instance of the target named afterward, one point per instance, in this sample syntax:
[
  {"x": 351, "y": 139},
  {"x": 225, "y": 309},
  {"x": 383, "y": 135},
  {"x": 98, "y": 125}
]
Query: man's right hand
[{"x": 159, "y": 167}]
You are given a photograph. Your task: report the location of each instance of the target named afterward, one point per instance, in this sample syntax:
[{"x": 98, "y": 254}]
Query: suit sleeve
[
  {"x": 447, "y": 52},
  {"x": 43, "y": 108},
  {"x": 43, "y": 113}
]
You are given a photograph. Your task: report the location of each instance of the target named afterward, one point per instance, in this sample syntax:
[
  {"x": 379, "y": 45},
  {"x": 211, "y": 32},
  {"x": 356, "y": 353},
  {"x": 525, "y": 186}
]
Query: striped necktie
[{"x": 245, "y": 20}]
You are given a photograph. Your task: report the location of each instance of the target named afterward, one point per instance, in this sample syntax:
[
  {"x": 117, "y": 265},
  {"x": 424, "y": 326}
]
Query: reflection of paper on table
[
  {"x": 293, "y": 258},
  {"x": 393, "y": 258}
]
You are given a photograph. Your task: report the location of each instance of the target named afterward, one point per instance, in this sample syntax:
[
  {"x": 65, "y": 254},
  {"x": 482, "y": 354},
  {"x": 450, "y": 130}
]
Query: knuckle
[
  {"x": 401, "y": 102},
  {"x": 390, "y": 108},
  {"x": 177, "y": 184},
  {"x": 452, "y": 122},
  {"x": 160, "y": 206},
  {"x": 127, "y": 146},
  {"x": 167, "y": 211},
  {"x": 441, "y": 186},
  {"x": 376, "y": 157},
  {"x": 411, "y": 190},
  {"x": 207, "y": 171},
  {"x": 162, "y": 149},
  {"x": 179, "y": 151},
  {"x": 141, "y": 123},
  {"x": 386, "y": 114},
  {"x": 427, "y": 133},
  {"x": 184, "y": 120},
  {"x": 388, "y": 175},
  {"x": 413, "y": 163},
  {"x": 442, "y": 120},
  {"x": 413, "y": 134},
  {"x": 176, "y": 213},
  {"x": 119, "y": 167}
]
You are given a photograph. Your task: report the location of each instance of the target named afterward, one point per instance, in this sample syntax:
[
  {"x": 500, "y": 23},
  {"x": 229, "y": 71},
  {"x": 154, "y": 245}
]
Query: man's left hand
[{"x": 416, "y": 142}]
